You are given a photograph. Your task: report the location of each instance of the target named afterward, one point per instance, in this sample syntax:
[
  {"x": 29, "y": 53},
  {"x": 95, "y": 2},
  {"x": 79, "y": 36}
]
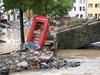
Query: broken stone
[
  {"x": 23, "y": 64},
  {"x": 22, "y": 69},
  {"x": 27, "y": 54},
  {"x": 30, "y": 55},
  {"x": 33, "y": 54},
  {"x": 14, "y": 53},
  {"x": 31, "y": 50},
  {"x": 18, "y": 69},
  {"x": 4, "y": 68},
  {"x": 74, "y": 64},
  {"x": 9, "y": 55},
  {"x": 1, "y": 65},
  {"x": 36, "y": 52},
  {"x": 44, "y": 65},
  {"x": 23, "y": 56},
  {"x": 16, "y": 61}
]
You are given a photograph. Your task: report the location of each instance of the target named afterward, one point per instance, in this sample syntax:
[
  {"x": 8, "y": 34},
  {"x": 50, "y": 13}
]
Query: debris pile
[
  {"x": 16, "y": 23},
  {"x": 31, "y": 60}
]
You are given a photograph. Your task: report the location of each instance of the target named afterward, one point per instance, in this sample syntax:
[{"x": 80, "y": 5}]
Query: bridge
[{"x": 78, "y": 35}]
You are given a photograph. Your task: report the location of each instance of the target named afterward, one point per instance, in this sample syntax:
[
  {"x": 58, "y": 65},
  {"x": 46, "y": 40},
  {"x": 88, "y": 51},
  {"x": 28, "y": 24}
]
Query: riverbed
[{"x": 90, "y": 58}]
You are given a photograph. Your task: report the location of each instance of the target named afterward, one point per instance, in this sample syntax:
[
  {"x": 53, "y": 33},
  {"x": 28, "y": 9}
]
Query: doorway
[
  {"x": 95, "y": 16},
  {"x": 8, "y": 17},
  {"x": 81, "y": 16}
]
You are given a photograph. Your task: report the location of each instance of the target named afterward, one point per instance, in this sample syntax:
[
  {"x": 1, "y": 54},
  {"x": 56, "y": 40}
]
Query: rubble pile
[
  {"x": 31, "y": 60},
  {"x": 16, "y": 23}
]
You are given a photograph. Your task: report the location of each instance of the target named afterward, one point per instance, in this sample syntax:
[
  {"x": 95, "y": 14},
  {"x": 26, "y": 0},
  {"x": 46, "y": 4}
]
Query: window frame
[
  {"x": 74, "y": 8},
  {"x": 90, "y": 4},
  {"x": 98, "y": 5},
  {"x": 83, "y": 8},
  {"x": 99, "y": 15},
  {"x": 83, "y": 1},
  {"x": 90, "y": 15},
  {"x": 80, "y": 8},
  {"x": 80, "y": 1}
]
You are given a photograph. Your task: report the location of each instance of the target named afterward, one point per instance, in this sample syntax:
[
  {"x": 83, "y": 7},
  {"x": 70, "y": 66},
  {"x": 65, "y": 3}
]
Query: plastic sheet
[{"x": 30, "y": 45}]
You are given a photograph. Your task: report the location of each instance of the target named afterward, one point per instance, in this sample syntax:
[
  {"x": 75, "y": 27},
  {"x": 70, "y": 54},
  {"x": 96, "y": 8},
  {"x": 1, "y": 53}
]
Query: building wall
[
  {"x": 93, "y": 10},
  {"x": 77, "y": 4},
  {"x": 9, "y": 16}
]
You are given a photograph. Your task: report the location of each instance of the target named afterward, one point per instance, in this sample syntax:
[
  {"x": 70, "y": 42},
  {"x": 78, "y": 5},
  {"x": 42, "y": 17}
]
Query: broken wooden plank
[
  {"x": 47, "y": 44},
  {"x": 49, "y": 41}
]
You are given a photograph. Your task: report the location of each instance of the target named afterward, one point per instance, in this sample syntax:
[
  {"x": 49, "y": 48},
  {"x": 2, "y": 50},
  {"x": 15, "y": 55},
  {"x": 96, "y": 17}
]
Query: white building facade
[
  {"x": 79, "y": 9},
  {"x": 8, "y": 15}
]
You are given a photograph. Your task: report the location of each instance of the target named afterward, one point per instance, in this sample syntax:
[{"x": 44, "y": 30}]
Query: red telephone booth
[{"x": 39, "y": 31}]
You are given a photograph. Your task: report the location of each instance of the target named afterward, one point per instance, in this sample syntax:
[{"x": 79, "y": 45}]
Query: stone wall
[{"x": 79, "y": 36}]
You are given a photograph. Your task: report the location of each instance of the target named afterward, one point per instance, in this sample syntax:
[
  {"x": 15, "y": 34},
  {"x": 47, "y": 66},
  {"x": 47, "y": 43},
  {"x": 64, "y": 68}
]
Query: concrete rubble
[
  {"x": 16, "y": 23},
  {"x": 31, "y": 60}
]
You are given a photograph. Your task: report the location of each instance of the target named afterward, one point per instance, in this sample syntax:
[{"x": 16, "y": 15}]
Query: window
[
  {"x": 90, "y": 5},
  {"x": 74, "y": 8},
  {"x": 90, "y": 15},
  {"x": 98, "y": 15},
  {"x": 83, "y": 1},
  {"x": 0, "y": 1},
  {"x": 14, "y": 17},
  {"x": 80, "y": 1},
  {"x": 80, "y": 8},
  {"x": 83, "y": 8},
  {"x": 81, "y": 16},
  {"x": 18, "y": 16},
  {"x": 97, "y": 5}
]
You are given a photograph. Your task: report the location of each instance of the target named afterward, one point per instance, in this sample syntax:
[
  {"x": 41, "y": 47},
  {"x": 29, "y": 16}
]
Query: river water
[{"x": 90, "y": 58}]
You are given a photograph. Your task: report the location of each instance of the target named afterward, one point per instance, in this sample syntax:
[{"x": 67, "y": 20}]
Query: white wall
[{"x": 73, "y": 13}]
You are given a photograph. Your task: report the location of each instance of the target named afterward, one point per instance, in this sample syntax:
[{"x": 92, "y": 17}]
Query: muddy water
[{"x": 90, "y": 58}]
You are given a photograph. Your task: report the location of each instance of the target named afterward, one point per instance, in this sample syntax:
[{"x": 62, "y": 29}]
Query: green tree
[
  {"x": 61, "y": 7},
  {"x": 14, "y": 6},
  {"x": 55, "y": 7}
]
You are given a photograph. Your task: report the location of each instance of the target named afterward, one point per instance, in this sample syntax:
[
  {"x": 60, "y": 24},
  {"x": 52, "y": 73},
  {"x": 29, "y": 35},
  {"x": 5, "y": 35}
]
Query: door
[
  {"x": 8, "y": 17},
  {"x": 95, "y": 16},
  {"x": 14, "y": 17}
]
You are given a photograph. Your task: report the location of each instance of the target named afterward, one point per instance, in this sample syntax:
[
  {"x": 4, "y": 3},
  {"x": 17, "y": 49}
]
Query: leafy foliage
[
  {"x": 61, "y": 7},
  {"x": 55, "y": 7},
  {"x": 15, "y": 5}
]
